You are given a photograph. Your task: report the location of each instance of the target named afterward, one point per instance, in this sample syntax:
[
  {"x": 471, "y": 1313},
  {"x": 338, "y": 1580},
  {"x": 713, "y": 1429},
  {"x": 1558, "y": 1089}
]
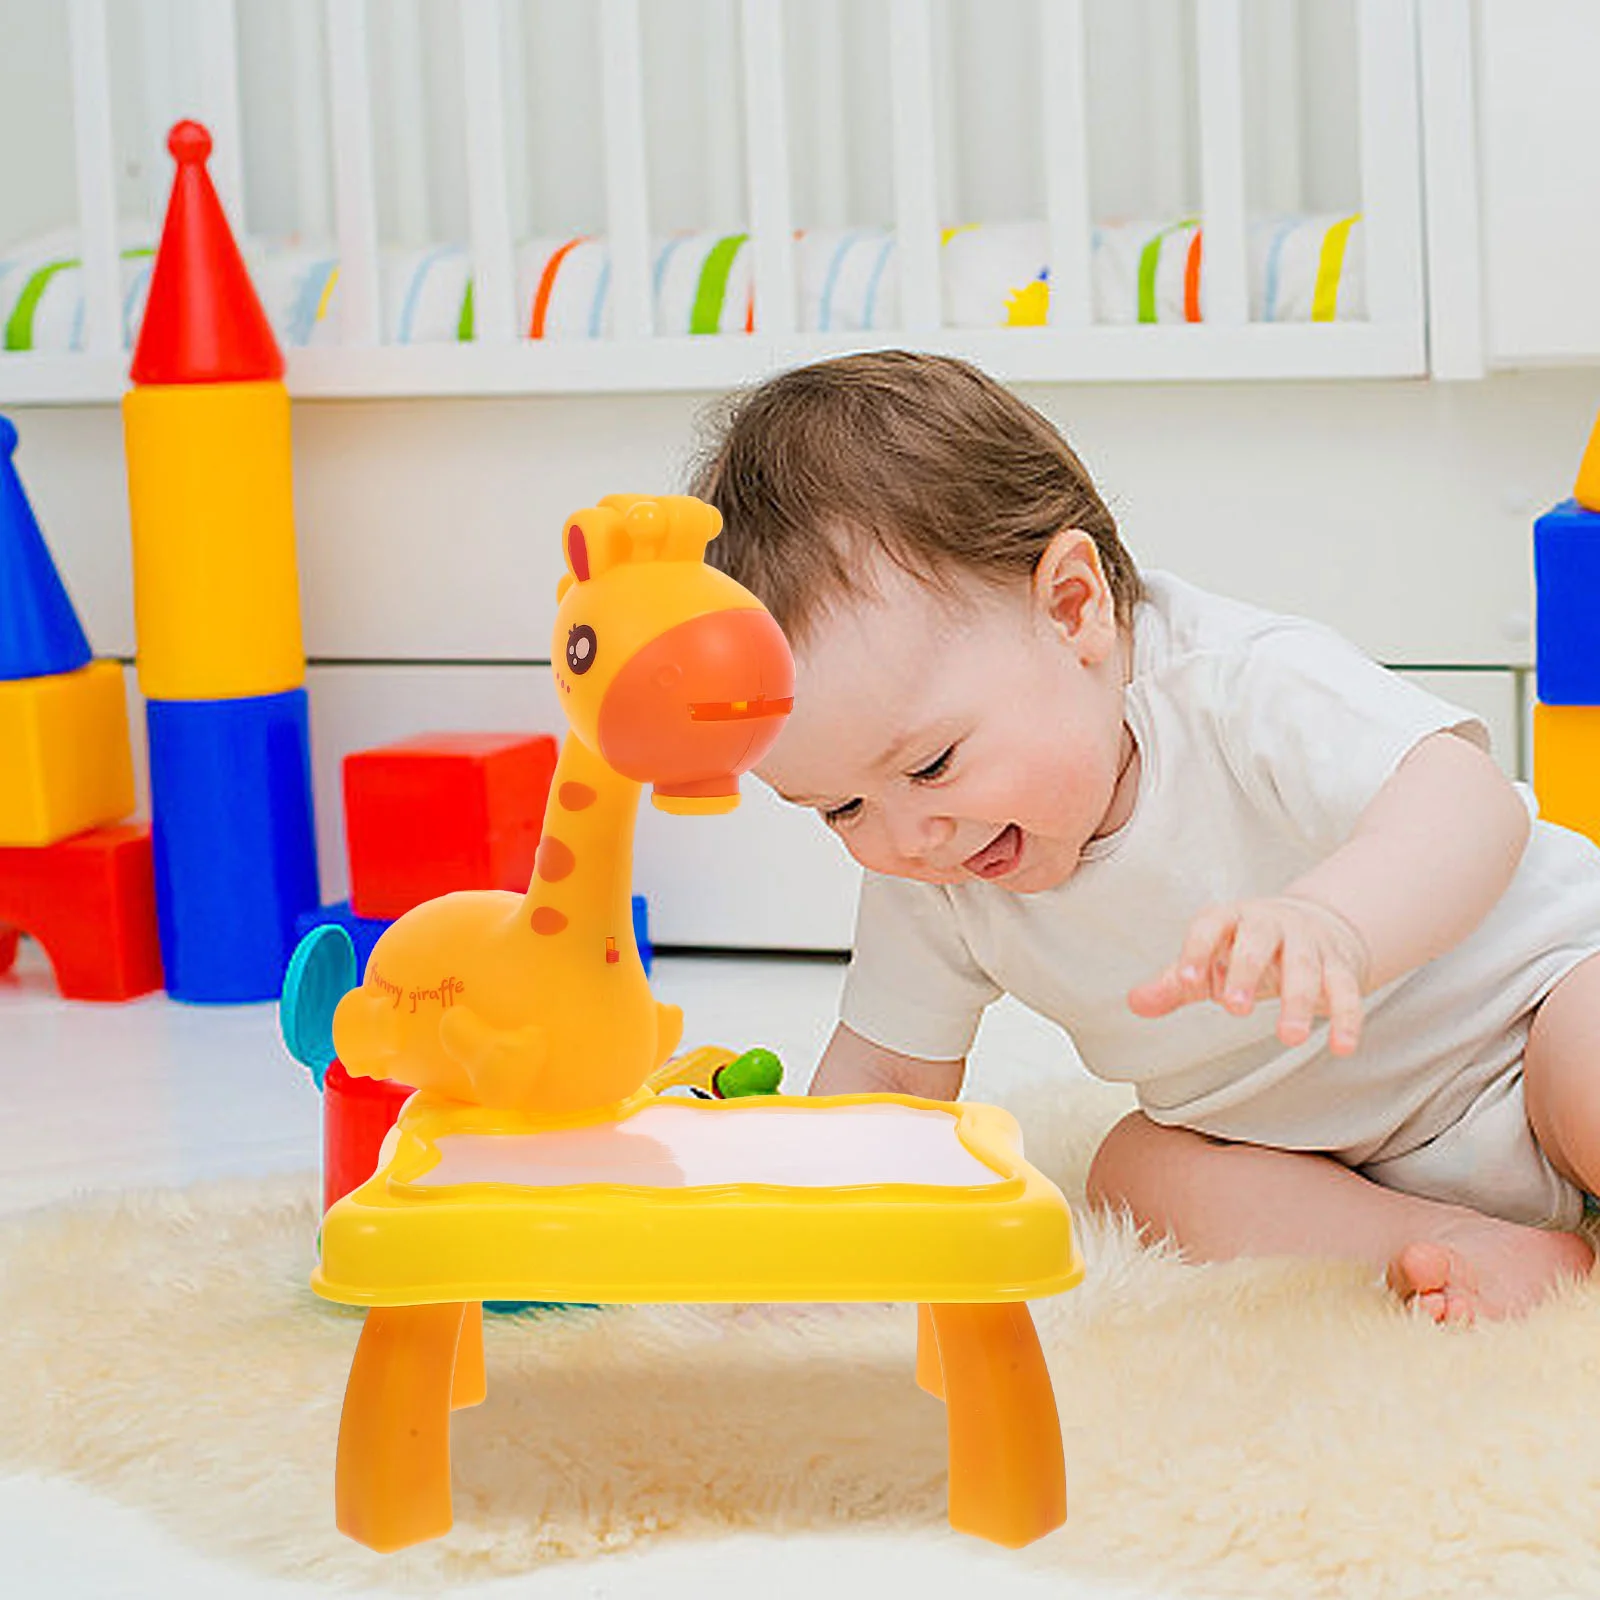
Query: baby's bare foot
[{"x": 1482, "y": 1267}]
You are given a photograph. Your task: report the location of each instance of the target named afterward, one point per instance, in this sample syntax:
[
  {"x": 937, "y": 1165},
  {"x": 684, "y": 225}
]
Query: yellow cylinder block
[
  {"x": 216, "y": 594},
  {"x": 1566, "y": 766}
]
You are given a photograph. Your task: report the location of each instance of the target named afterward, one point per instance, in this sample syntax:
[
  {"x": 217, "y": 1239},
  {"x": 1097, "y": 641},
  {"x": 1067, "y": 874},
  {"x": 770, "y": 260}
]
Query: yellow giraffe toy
[{"x": 670, "y": 674}]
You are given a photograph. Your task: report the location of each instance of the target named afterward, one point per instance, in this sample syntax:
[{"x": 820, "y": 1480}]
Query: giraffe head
[{"x": 672, "y": 673}]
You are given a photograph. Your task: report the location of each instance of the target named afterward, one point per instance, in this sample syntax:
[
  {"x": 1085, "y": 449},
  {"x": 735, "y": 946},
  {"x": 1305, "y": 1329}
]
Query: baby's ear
[{"x": 1069, "y": 585}]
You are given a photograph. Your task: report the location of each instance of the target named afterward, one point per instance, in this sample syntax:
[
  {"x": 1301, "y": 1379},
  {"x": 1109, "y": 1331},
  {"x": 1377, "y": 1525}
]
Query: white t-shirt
[{"x": 1262, "y": 739}]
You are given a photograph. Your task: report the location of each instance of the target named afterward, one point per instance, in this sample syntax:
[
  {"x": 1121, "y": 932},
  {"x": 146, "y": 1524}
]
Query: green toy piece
[{"x": 757, "y": 1071}]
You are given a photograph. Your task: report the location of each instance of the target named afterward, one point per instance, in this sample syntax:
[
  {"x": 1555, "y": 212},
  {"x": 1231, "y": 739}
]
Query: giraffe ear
[
  {"x": 636, "y": 527},
  {"x": 593, "y": 541}
]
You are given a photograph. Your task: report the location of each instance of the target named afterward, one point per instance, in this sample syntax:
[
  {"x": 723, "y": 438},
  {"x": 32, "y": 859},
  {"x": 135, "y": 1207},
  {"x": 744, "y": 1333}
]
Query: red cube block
[
  {"x": 90, "y": 901},
  {"x": 441, "y": 812}
]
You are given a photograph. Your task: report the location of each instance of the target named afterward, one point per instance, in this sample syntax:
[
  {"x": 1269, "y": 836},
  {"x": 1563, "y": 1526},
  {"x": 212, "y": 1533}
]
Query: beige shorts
[{"x": 1488, "y": 1159}]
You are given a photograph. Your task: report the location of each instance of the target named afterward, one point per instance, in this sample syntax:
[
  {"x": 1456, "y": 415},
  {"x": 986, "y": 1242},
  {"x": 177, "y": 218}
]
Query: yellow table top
[{"x": 770, "y": 1198}]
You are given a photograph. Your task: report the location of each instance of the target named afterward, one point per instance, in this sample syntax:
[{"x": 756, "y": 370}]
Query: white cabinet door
[{"x": 1539, "y": 125}]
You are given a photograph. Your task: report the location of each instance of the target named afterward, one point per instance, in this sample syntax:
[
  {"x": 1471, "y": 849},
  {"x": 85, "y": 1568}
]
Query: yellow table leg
[
  {"x": 1007, "y": 1477},
  {"x": 930, "y": 1373},
  {"x": 392, "y": 1481},
  {"x": 470, "y": 1386}
]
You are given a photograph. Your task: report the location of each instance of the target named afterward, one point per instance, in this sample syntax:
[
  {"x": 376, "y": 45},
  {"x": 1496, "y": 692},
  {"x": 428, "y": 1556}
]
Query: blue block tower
[{"x": 216, "y": 605}]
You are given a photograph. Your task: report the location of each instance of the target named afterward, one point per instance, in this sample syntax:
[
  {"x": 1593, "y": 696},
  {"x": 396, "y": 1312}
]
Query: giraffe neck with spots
[{"x": 581, "y": 893}]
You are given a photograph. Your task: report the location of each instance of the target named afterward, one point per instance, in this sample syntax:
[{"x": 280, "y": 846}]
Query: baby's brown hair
[{"x": 923, "y": 455}]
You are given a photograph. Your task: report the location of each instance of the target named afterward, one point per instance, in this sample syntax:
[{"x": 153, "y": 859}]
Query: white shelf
[{"x": 676, "y": 365}]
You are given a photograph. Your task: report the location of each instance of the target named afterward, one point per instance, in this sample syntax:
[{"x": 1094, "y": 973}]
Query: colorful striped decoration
[
  {"x": 547, "y": 284},
  {"x": 1149, "y": 262},
  {"x": 1330, "y": 267},
  {"x": 19, "y": 334},
  {"x": 1191, "y": 277},
  {"x": 1303, "y": 268},
  {"x": 712, "y": 289}
]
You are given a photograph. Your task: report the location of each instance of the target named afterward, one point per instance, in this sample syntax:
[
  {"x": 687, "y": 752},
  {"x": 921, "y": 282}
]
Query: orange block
[
  {"x": 65, "y": 761},
  {"x": 1566, "y": 766},
  {"x": 1587, "y": 489}
]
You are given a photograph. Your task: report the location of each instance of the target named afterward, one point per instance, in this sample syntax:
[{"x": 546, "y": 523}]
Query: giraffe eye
[{"x": 581, "y": 647}]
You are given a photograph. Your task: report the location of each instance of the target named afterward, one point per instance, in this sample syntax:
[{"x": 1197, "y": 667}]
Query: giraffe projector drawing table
[{"x": 537, "y": 1162}]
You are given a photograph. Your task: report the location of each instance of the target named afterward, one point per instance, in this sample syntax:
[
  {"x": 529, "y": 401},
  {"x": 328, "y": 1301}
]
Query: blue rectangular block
[
  {"x": 1566, "y": 564},
  {"x": 235, "y": 850},
  {"x": 364, "y": 932},
  {"x": 641, "y": 932}
]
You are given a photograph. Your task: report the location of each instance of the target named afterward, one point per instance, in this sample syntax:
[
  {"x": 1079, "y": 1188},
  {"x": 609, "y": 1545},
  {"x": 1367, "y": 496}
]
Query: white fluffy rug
[{"x": 1263, "y": 1428}]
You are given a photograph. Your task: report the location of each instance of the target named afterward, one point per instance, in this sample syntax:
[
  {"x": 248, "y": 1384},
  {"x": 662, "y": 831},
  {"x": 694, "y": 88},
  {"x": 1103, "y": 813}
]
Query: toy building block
[
  {"x": 90, "y": 902},
  {"x": 65, "y": 761},
  {"x": 203, "y": 322},
  {"x": 1586, "y": 492},
  {"x": 215, "y": 588},
  {"x": 356, "y": 1114},
  {"x": 235, "y": 852},
  {"x": 364, "y": 931},
  {"x": 641, "y": 932},
  {"x": 1566, "y": 766},
  {"x": 39, "y": 631},
  {"x": 1566, "y": 560},
  {"x": 442, "y": 812}
]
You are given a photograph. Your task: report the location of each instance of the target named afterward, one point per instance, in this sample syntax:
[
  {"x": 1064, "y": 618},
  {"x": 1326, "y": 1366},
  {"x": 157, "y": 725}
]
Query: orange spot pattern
[
  {"x": 575, "y": 796},
  {"x": 554, "y": 860},
  {"x": 546, "y": 919}
]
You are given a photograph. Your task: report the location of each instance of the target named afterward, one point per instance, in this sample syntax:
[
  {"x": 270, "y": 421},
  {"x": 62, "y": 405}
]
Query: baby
[{"x": 1144, "y": 810}]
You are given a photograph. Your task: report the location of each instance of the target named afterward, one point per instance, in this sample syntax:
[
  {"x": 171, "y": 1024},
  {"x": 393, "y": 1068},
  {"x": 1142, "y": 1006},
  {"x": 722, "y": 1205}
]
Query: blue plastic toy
[
  {"x": 364, "y": 932},
  {"x": 235, "y": 852},
  {"x": 1566, "y": 561},
  {"x": 39, "y": 631},
  {"x": 321, "y": 972},
  {"x": 641, "y": 932}
]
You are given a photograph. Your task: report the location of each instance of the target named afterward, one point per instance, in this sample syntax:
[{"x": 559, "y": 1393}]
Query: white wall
[{"x": 1397, "y": 512}]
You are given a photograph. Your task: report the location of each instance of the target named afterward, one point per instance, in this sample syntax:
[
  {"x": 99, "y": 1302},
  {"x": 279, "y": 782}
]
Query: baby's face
[{"x": 950, "y": 741}]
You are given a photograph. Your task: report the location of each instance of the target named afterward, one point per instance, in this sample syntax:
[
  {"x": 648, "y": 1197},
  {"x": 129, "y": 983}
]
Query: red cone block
[{"x": 203, "y": 322}]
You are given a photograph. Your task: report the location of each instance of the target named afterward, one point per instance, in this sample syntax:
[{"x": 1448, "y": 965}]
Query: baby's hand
[{"x": 1300, "y": 950}]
